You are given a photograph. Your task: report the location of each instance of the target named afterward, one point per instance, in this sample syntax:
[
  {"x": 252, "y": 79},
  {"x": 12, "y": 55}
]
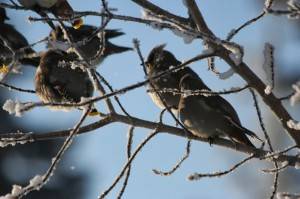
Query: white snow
[
  {"x": 13, "y": 107},
  {"x": 36, "y": 181},
  {"x": 268, "y": 61},
  {"x": 156, "y": 25},
  {"x": 293, "y": 124},
  {"x": 296, "y": 97},
  {"x": 227, "y": 74},
  {"x": 297, "y": 165},
  {"x": 268, "y": 90},
  {"x": 148, "y": 15},
  {"x": 236, "y": 54},
  {"x": 15, "y": 192},
  {"x": 294, "y": 4},
  {"x": 285, "y": 195},
  {"x": 187, "y": 38}
]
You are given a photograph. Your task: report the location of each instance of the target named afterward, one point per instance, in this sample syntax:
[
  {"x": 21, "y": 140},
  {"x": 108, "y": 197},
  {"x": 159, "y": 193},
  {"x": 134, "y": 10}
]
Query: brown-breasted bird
[
  {"x": 158, "y": 61},
  {"x": 57, "y": 82},
  {"x": 15, "y": 41},
  {"x": 90, "y": 50},
  {"x": 204, "y": 116},
  {"x": 59, "y": 8}
]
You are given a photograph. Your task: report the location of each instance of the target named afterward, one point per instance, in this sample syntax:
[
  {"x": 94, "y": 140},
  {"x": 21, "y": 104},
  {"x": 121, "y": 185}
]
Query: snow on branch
[{"x": 268, "y": 67}]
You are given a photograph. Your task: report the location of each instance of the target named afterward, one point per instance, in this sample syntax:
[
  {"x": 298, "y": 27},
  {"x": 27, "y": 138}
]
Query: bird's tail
[{"x": 252, "y": 134}]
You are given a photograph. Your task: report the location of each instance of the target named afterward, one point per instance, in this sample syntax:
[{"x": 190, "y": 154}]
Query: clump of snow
[
  {"x": 156, "y": 25},
  {"x": 293, "y": 124},
  {"x": 187, "y": 38},
  {"x": 15, "y": 192},
  {"x": 227, "y": 74},
  {"x": 296, "y": 96},
  {"x": 293, "y": 4},
  {"x": 285, "y": 163},
  {"x": 268, "y": 66},
  {"x": 208, "y": 51},
  {"x": 187, "y": 93},
  {"x": 286, "y": 195},
  {"x": 36, "y": 181},
  {"x": 268, "y": 90},
  {"x": 148, "y": 15},
  {"x": 4, "y": 142},
  {"x": 13, "y": 107},
  {"x": 236, "y": 54},
  {"x": 297, "y": 165},
  {"x": 268, "y": 3}
]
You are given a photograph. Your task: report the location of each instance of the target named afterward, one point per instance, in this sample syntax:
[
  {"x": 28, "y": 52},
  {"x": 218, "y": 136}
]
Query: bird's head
[
  {"x": 3, "y": 15},
  {"x": 160, "y": 59}
]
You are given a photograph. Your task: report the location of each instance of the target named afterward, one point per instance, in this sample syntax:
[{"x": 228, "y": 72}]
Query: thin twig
[
  {"x": 128, "y": 172},
  {"x": 200, "y": 92},
  {"x": 10, "y": 87},
  {"x": 138, "y": 149},
  {"x": 57, "y": 158},
  {"x": 267, "y": 137},
  {"x": 178, "y": 164},
  {"x": 198, "y": 176}
]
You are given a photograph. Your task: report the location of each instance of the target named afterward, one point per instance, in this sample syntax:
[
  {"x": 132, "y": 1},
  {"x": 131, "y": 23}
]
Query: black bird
[
  {"x": 204, "y": 116},
  {"x": 59, "y": 8},
  {"x": 90, "y": 50},
  {"x": 15, "y": 40},
  {"x": 57, "y": 82}
]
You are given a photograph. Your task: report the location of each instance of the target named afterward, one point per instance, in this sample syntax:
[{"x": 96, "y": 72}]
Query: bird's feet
[{"x": 211, "y": 140}]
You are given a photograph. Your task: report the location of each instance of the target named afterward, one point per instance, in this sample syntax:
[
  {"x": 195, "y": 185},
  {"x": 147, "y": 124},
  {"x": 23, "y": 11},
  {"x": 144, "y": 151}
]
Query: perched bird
[
  {"x": 204, "y": 116},
  {"x": 59, "y": 8},
  {"x": 158, "y": 61},
  {"x": 210, "y": 116},
  {"x": 91, "y": 49},
  {"x": 11, "y": 38},
  {"x": 57, "y": 82}
]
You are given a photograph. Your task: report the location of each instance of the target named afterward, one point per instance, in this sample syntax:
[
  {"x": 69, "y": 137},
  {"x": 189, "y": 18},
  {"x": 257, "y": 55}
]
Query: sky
[{"x": 101, "y": 153}]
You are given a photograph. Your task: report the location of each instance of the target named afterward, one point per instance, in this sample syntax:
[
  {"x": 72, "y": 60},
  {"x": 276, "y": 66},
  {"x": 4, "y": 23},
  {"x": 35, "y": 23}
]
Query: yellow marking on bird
[
  {"x": 77, "y": 23},
  {"x": 4, "y": 69},
  {"x": 93, "y": 113}
]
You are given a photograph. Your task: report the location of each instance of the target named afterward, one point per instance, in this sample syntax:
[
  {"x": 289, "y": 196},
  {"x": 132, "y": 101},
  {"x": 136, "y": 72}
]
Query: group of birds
[
  {"x": 55, "y": 81},
  {"x": 204, "y": 116}
]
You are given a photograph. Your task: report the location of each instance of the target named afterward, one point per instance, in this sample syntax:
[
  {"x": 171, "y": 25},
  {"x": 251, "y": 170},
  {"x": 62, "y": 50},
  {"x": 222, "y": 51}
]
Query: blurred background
[{"x": 95, "y": 158}]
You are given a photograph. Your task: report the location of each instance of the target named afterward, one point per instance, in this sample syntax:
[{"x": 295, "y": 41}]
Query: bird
[
  {"x": 57, "y": 82},
  {"x": 89, "y": 50},
  {"x": 59, "y": 8},
  {"x": 210, "y": 116},
  {"x": 203, "y": 116},
  {"x": 11, "y": 38},
  {"x": 157, "y": 62}
]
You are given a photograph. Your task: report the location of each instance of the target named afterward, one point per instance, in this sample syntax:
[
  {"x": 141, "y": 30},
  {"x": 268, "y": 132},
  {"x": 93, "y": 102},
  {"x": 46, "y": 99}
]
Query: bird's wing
[
  {"x": 15, "y": 39},
  {"x": 221, "y": 105},
  {"x": 248, "y": 132},
  {"x": 216, "y": 102}
]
